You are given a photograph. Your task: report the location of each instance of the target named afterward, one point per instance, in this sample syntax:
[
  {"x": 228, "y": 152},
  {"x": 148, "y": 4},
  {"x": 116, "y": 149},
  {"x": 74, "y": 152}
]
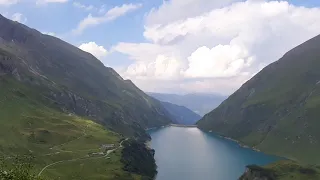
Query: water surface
[{"x": 191, "y": 154}]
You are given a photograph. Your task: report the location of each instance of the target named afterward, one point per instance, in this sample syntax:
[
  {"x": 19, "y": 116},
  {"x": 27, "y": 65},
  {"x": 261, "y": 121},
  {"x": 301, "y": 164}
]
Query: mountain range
[
  {"x": 181, "y": 114},
  {"x": 197, "y": 102}
]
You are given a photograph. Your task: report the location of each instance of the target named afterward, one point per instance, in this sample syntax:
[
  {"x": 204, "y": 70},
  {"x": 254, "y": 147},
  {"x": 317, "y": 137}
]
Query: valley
[{"x": 242, "y": 96}]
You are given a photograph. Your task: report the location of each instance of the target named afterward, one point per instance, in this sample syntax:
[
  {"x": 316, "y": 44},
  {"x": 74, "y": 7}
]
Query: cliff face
[
  {"x": 277, "y": 110},
  {"x": 139, "y": 159},
  {"x": 76, "y": 82}
]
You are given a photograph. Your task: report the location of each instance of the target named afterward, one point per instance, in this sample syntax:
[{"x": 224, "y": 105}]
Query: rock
[{"x": 254, "y": 172}]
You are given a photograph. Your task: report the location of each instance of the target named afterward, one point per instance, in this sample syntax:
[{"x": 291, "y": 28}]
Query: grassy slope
[
  {"x": 29, "y": 126},
  {"x": 283, "y": 170},
  {"x": 288, "y": 170},
  {"x": 77, "y": 81},
  {"x": 277, "y": 110}
]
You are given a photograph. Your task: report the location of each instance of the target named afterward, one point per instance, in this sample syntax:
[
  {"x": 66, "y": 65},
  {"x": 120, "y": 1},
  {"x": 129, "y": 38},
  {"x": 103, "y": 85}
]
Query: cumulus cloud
[
  {"x": 49, "y": 33},
  {"x": 217, "y": 42},
  {"x": 220, "y": 61},
  {"x": 163, "y": 67},
  {"x": 15, "y": 17},
  {"x": 96, "y": 50},
  {"x": 19, "y": 17},
  {"x": 108, "y": 16}
]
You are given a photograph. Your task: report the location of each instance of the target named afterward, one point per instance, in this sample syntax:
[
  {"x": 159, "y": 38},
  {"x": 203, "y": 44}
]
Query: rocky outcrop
[
  {"x": 254, "y": 172},
  {"x": 139, "y": 159}
]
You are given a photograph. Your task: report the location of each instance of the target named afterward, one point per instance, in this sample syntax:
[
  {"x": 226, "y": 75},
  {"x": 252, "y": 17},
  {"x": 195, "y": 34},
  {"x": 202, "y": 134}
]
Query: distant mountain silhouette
[
  {"x": 198, "y": 103},
  {"x": 181, "y": 114}
]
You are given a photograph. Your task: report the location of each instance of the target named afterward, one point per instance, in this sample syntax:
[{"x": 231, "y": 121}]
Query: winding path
[
  {"x": 84, "y": 134},
  {"x": 82, "y": 158}
]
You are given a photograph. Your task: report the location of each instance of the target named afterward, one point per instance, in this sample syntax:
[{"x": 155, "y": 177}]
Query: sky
[{"x": 176, "y": 46}]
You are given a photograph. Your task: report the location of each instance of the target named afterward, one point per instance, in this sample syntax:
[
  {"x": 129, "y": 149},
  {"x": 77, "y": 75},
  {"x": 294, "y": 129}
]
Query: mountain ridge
[
  {"x": 275, "y": 111},
  {"x": 61, "y": 105},
  {"x": 199, "y": 103},
  {"x": 63, "y": 66},
  {"x": 181, "y": 114}
]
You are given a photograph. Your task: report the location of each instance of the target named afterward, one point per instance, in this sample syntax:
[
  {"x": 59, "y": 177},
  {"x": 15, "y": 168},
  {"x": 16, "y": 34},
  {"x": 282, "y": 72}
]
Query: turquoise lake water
[{"x": 191, "y": 154}]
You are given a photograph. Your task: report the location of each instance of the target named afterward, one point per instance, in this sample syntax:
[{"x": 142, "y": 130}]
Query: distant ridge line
[{"x": 182, "y": 125}]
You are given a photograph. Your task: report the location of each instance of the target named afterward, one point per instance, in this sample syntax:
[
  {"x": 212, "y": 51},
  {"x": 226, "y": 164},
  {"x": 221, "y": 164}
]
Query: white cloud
[
  {"x": 84, "y": 7},
  {"x": 96, "y": 50},
  {"x": 209, "y": 44},
  {"x": 108, "y": 16},
  {"x": 174, "y": 10},
  {"x": 49, "y": 33},
  {"x": 163, "y": 67},
  {"x": 8, "y": 2},
  {"x": 91, "y": 8},
  {"x": 142, "y": 51},
  {"x": 15, "y": 17},
  {"x": 19, "y": 17},
  {"x": 220, "y": 61}
]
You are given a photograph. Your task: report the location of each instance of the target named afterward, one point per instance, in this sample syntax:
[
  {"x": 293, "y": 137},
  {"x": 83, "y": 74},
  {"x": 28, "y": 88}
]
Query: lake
[{"x": 191, "y": 154}]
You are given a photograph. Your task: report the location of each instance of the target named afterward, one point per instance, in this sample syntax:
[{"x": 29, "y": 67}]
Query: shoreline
[
  {"x": 257, "y": 150},
  {"x": 241, "y": 144}
]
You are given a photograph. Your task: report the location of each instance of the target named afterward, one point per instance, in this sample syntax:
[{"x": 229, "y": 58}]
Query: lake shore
[
  {"x": 210, "y": 152},
  {"x": 236, "y": 141}
]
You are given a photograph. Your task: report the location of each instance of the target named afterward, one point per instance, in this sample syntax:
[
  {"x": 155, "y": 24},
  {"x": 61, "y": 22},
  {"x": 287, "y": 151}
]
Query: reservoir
[{"x": 191, "y": 154}]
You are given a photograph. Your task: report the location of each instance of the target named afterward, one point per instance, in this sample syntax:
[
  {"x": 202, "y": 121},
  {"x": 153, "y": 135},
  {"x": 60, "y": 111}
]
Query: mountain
[
  {"x": 75, "y": 80},
  {"x": 277, "y": 111},
  {"x": 55, "y": 95},
  {"x": 181, "y": 114},
  {"x": 198, "y": 103}
]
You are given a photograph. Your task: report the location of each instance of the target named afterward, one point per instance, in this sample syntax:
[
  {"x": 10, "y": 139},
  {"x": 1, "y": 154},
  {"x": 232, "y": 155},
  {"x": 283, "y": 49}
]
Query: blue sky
[
  {"x": 61, "y": 18},
  {"x": 176, "y": 46}
]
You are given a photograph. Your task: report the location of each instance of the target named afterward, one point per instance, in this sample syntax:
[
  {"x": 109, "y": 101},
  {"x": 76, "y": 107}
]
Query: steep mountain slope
[
  {"x": 75, "y": 81},
  {"x": 277, "y": 110},
  {"x": 62, "y": 105},
  {"x": 198, "y": 103},
  {"x": 29, "y": 126},
  {"x": 181, "y": 114}
]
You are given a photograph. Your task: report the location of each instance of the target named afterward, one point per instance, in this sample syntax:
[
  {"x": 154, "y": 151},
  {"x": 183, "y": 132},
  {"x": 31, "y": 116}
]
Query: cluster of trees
[
  {"x": 17, "y": 168},
  {"x": 138, "y": 159}
]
